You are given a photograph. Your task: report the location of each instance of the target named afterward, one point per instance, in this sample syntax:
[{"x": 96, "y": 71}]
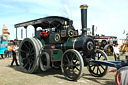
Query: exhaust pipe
[
  {"x": 92, "y": 29},
  {"x": 84, "y": 19}
]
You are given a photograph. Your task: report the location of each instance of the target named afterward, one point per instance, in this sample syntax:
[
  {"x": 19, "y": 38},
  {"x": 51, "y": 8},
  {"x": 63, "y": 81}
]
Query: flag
[
  {"x": 96, "y": 29},
  {"x": 123, "y": 31}
]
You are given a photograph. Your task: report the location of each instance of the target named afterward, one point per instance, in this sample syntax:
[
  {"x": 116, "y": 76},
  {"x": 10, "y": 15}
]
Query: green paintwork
[
  {"x": 51, "y": 38},
  {"x": 42, "y": 41},
  {"x": 57, "y": 54},
  {"x": 68, "y": 44}
]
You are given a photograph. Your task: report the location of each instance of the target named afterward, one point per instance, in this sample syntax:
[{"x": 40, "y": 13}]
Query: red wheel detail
[{"x": 118, "y": 78}]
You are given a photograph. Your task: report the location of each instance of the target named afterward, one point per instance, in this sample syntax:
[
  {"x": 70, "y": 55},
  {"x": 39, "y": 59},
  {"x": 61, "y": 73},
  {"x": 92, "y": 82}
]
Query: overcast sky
[{"x": 109, "y": 16}]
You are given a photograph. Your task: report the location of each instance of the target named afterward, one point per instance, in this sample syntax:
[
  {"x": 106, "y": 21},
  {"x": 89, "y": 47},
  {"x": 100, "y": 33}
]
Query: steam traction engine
[
  {"x": 105, "y": 43},
  {"x": 58, "y": 44}
]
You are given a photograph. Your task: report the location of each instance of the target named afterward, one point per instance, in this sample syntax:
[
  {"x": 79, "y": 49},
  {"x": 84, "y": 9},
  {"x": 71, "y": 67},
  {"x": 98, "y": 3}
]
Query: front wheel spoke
[
  {"x": 102, "y": 67},
  {"x": 76, "y": 65},
  {"x": 91, "y": 65},
  {"x": 73, "y": 57},
  {"x": 66, "y": 65},
  {"x": 77, "y": 68},
  {"x": 68, "y": 59},
  {"x": 97, "y": 69},
  {"x": 67, "y": 69},
  {"x": 74, "y": 74},
  {"x": 93, "y": 68},
  {"x": 99, "y": 56},
  {"x": 76, "y": 61}
]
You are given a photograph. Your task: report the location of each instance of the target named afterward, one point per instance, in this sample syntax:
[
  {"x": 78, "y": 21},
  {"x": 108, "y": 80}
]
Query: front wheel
[
  {"x": 44, "y": 61},
  {"x": 98, "y": 70},
  {"x": 72, "y": 65}
]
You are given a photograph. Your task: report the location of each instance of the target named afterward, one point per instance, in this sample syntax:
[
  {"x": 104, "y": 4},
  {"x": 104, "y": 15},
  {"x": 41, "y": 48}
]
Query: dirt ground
[{"x": 15, "y": 76}]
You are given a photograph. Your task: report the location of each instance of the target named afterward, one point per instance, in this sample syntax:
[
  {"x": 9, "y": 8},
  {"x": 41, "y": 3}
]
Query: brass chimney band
[{"x": 84, "y": 6}]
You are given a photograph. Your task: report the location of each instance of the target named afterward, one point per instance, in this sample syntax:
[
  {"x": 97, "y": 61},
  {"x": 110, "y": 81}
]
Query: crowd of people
[
  {"x": 11, "y": 51},
  {"x": 8, "y": 52}
]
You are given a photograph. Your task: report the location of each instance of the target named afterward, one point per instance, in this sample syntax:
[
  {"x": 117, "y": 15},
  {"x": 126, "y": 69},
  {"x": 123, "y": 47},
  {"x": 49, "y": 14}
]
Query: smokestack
[
  {"x": 84, "y": 19},
  {"x": 92, "y": 29}
]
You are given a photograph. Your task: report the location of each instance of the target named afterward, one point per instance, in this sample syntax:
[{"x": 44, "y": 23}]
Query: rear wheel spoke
[
  {"x": 26, "y": 64},
  {"x": 23, "y": 51},
  {"x": 26, "y": 46}
]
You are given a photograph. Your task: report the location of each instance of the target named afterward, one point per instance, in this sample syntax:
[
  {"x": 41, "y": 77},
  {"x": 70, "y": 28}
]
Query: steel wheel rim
[
  {"x": 39, "y": 49},
  {"x": 72, "y": 65}
]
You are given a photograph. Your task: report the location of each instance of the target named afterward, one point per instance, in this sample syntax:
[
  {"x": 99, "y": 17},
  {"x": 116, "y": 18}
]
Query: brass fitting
[{"x": 84, "y": 6}]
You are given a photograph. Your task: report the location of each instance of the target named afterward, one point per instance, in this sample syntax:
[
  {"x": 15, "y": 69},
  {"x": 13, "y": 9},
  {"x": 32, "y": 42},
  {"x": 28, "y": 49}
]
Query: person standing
[
  {"x": 116, "y": 52},
  {"x": 14, "y": 56},
  {"x": 2, "y": 56},
  {"x": 9, "y": 51}
]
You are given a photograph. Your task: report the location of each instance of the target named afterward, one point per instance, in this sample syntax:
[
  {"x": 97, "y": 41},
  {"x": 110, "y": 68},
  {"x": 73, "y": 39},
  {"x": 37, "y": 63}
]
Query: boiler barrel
[
  {"x": 87, "y": 45},
  {"x": 72, "y": 44}
]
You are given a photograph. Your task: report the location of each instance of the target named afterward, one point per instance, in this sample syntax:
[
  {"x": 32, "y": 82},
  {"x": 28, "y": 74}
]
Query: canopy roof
[
  {"x": 105, "y": 37},
  {"x": 46, "y": 22}
]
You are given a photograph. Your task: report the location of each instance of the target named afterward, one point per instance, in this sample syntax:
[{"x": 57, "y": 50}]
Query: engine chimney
[
  {"x": 92, "y": 29},
  {"x": 84, "y": 19}
]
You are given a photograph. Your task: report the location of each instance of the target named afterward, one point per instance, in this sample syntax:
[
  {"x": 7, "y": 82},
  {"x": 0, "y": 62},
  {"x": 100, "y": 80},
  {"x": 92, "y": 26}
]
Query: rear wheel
[
  {"x": 108, "y": 49},
  {"x": 72, "y": 65},
  {"x": 98, "y": 70},
  {"x": 29, "y": 55}
]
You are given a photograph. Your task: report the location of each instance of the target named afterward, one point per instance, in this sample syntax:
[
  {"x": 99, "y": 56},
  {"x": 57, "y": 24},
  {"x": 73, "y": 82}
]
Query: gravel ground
[{"x": 14, "y": 76}]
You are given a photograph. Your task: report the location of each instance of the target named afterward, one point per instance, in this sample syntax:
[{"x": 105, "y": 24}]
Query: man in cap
[
  {"x": 14, "y": 55},
  {"x": 116, "y": 52}
]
